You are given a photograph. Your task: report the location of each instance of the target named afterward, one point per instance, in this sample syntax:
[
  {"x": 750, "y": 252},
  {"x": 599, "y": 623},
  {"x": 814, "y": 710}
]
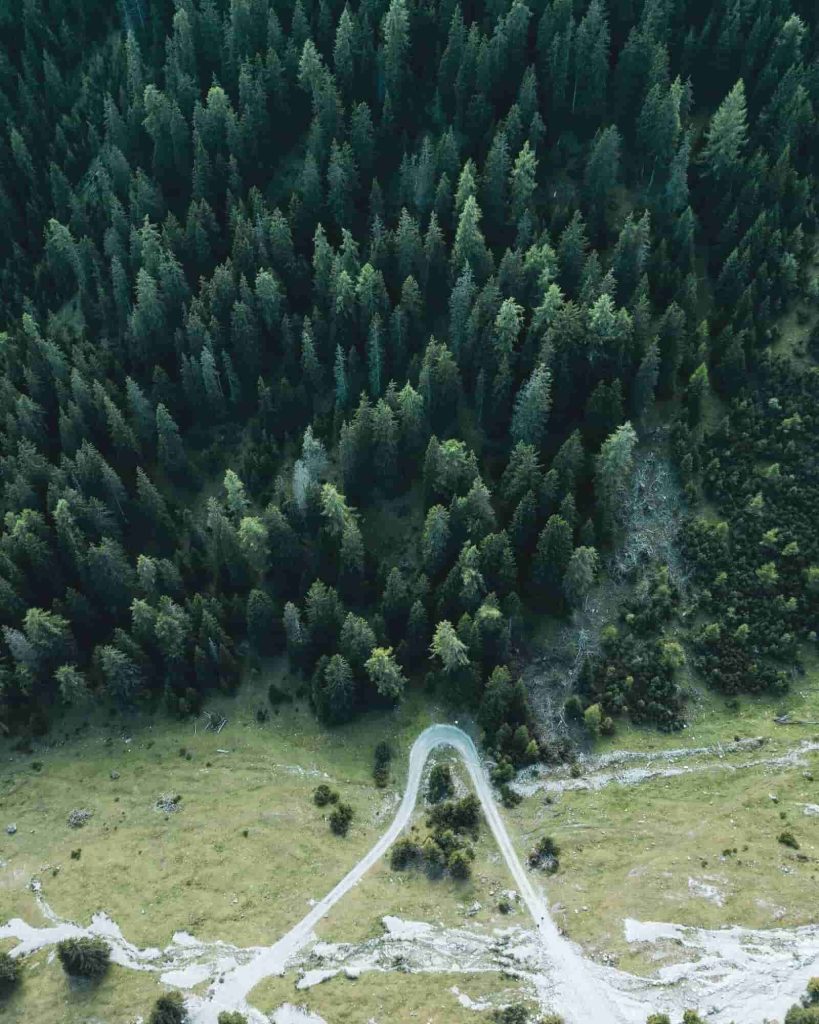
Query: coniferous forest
[{"x": 338, "y": 329}]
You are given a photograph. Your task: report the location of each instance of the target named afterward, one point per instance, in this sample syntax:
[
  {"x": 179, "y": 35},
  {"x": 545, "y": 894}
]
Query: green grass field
[
  {"x": 630, "y": 850},
  {"x": 626, "y": 851},
  {"x": 421, "y": 998},
  {"x": 197, "y": 870},
  {"x": 45, "y": 995}
]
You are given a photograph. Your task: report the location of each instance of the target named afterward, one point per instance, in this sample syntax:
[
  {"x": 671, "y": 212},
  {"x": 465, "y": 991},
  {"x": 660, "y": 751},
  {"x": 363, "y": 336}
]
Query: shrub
[
  {"x": 381, "y": 762},
  {"x": 323, "y": 795},
  {"x": 169, "y": 1009},
  {"x": 573, "y": 708},
  {"x": 277, "y": 696},
  {"x": 84, "y": 958},
  {"x": 228, "y": 1017},
  {"x": 458, "y": 864},
  {"x": 440, "y": 785},
  {"x": 509, "y": 797},
  {"x": 514, "y": 1014},
  {"x": 787, "y": 838},
  {"x": 404, "y": 853},
  {"x": 9, "y": 971},
  {"x": 504, "y": 771},
  {"x": 340, "y": 819},
  {"x": 593, "y": 720},
  {"x": 545, "y": 854}
]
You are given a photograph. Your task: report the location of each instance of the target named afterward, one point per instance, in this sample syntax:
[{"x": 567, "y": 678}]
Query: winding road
[{"x": 575, "y": 992}]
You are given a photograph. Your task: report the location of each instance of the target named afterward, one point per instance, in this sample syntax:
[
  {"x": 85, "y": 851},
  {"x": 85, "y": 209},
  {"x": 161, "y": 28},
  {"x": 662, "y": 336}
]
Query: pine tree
[
  {"x": 602, "y": 173},
  {"x": 333, "y": 691},
  {"x": 530, "y": 418},
  {"x": 375, "y": 357},
  {"x": 554, "y": 548},
  {"x": 613, "y": 473},
  {"x": 170, "y": 450},
  {"x": 385, "y": 673},
  {"x": 580, "y": 574},
  {"x": 470, "y": 247},
  {"x": 645, "y": 381},
  {"x": 727, "y": 136},
  {"x": 523, "y": 182},
  {"x": 449, "y": 648},
  {"x": 591, "y": 61},
  {"x": 396, "y": 42},
  {"x": 572, "y": 252}
]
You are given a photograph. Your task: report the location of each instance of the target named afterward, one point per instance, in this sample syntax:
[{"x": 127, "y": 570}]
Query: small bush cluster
[
  {"x": 323, "y": 795},
  {"x": 341, "y": 815},
  {"x": 457, "y": 815},
  {"x": 757, "y": 569},
  {"x": 445, "y": 848},
  {"x": 636, "y": 669},
  {"x": 341, "y": 818}
]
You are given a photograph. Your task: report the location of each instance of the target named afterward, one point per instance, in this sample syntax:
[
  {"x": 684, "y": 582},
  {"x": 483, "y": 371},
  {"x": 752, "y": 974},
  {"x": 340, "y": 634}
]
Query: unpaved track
[{"x": 575, "y": 990}]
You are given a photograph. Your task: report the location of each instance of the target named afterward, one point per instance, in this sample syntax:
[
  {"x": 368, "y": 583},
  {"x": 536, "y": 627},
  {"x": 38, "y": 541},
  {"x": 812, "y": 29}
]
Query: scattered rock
[
  {"x": 811, "y": 810},
  {"x": 353, "y": 973},
  {"x": 11, "y": 829},
  {"x": 78, "y": 817},
  {"x": 474, "y": 909},
  {"x": 114, "y": 775}
]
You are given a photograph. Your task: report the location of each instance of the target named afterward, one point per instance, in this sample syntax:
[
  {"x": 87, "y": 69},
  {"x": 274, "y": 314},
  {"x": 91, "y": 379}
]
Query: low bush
[
  {"x": 545, "y": 855},
  {"x": 405, "y": 853},
  {"x": 169, "y": 1009},
  {"x": 440, "y": 785},
  {"x": 459, "y": 864},
  {"x": 514, "y": 1014},
  {"x": 509, "y": 797},
  {"x": 381, "y": 764},
  {"x": 787, "y": 838},
  {"x": 9, "y": 971},
  {"x": 84, "y": 958},
  {"x": 277, "y": 696}
]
